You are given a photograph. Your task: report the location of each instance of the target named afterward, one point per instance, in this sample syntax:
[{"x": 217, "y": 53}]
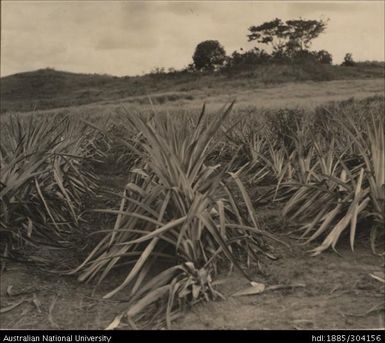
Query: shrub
[{"x": 348, "y": 60}]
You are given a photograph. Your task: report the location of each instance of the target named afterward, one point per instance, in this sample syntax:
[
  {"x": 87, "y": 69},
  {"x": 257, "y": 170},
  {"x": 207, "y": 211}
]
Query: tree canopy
[
  {"x": 291, "y": 35},
  {"x": 290, "y": 43},
  {"x": 209, "y": 55}
]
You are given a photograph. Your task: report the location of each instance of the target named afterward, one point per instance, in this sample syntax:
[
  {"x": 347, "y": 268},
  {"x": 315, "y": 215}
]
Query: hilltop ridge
[{"x": 48, "y": 88}]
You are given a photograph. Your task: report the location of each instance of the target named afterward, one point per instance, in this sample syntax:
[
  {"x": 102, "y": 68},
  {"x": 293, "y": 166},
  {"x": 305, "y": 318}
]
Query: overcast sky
[{"x": 129, "y": 38}]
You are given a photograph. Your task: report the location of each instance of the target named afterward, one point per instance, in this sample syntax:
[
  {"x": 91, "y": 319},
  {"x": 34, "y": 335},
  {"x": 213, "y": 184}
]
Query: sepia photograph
[{"x": 192, "y": 166}]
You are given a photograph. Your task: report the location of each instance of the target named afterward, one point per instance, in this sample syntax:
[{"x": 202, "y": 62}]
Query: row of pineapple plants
[
  {"x": 325, "y": 166},
  {"x": 178, "y": 210},
  {"x": 192, "y": 186},
  {"x": 186, "y": 207},
  {"x": 44, "y": 181}
]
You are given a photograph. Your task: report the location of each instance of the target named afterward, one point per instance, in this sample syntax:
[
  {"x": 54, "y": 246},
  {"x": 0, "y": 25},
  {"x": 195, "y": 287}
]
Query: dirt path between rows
[{"x": 331, "y": 292}]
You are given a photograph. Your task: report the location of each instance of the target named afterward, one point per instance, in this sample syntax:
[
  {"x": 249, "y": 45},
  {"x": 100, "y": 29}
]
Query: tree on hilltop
[
  {"x": 289, "y": 36},
  {"x": 209, "y": 55}
]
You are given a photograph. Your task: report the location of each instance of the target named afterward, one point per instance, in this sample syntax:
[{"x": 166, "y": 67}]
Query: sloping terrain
[{"x": 48, "y": 88}]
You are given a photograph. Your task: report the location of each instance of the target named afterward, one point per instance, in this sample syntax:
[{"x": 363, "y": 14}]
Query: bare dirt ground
[
  {"x": 324, "y": 292},
  {"x": 328, "y": 292}
]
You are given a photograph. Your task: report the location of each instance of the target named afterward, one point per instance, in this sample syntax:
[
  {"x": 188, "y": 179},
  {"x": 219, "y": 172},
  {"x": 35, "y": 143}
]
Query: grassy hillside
[{"x": 47, "y": 88}]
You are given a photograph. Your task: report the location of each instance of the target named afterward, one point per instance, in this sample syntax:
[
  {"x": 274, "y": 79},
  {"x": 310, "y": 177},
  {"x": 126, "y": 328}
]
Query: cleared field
[{"x": 303, "y": 94}]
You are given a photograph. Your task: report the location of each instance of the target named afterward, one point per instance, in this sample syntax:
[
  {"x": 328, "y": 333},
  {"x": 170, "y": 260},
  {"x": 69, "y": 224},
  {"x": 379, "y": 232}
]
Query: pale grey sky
[{"x": 128, "y": 38}]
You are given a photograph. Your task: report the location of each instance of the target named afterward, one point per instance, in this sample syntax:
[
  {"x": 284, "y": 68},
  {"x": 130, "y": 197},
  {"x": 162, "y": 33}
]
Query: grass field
[
  {"x": 303, "y": 94},
  {"x": 47, "y": 88},
  {"x": 128, "y": 214}
]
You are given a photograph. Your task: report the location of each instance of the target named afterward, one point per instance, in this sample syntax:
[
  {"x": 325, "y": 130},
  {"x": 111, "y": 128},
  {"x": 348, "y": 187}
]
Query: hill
[{"x": 48, "y": 88}]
